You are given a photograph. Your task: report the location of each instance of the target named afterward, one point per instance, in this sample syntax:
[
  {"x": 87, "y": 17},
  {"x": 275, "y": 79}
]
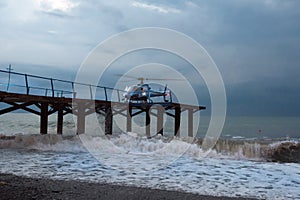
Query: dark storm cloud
[
  {"x": 255, "y": 46},
  {"x": 255, "y": 43},
  {"x": 259, "y": 98}
]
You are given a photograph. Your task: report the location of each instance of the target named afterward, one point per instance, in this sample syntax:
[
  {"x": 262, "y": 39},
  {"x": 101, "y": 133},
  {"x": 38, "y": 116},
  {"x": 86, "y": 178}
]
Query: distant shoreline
[{"x": 18, "y": 187}]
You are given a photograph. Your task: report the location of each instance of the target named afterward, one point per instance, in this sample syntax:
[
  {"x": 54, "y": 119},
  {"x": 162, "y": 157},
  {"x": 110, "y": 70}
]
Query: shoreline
[{"x": 19, "y": 187}]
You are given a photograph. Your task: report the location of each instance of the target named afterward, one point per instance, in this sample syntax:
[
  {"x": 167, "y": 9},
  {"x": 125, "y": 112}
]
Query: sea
[{"x": 256, "y": 157}]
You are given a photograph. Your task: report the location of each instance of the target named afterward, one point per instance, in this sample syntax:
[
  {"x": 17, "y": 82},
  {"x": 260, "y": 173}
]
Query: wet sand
[{"x": 16, "y": 187}]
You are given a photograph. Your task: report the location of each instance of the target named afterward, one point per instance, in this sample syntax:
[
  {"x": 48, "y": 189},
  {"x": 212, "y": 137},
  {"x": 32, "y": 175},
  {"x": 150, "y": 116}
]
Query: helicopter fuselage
[{"x": 143, "y": 92}]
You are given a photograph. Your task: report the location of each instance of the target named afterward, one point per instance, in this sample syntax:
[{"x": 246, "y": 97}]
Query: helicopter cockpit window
[
  {"x": 132, "y": 88},
  {"x": 144, "y": 88}
]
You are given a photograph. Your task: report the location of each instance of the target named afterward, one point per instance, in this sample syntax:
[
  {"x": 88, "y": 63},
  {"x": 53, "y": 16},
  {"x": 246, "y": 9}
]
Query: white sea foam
[
  {"x": 235, "y": 167},
  {"x": 208, "y": 176}
]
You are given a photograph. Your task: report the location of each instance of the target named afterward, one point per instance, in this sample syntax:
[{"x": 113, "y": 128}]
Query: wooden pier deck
[{"x": 63, "y": 102}]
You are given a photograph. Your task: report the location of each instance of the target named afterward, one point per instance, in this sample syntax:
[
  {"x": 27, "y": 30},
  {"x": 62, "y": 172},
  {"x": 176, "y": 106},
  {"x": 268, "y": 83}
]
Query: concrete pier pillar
[
  {"x": 160, "y": 120},
  {"x": 148, "y": 122},
  {"x": 129, "y": 119},
  {"x": 177, "y": 121},
  {"x": 108, "y": 120},
  {"x": 190, "y": 122},
  {"x": 60, "y": 119},
  {"x": 81, "y": 118},
  {"x": 44, "y": 118}
]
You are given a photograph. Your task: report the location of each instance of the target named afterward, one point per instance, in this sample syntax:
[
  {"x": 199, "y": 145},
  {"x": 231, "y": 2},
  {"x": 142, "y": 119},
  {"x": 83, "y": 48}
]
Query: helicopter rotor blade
[
  {"x": 127, "y": 76},
  {"x": 149, "y": 79},
  {"x": 164, "y": 79},
  {"x": 125, "y": 81}
]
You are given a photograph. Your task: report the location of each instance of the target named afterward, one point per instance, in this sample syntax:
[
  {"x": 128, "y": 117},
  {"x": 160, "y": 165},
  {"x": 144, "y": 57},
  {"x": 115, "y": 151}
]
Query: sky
[{"x": 254, "y": 43}]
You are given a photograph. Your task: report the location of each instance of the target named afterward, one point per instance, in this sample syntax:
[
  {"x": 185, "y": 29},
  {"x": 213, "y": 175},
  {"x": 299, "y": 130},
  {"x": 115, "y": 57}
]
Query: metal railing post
[
  {"x": 73, "y": 90},
  {"x": 91, "y": 92},
  {"x": 105, "y": 93},
  {"x": 52, "y": 87},
  {"x": 27, "y": 86},
  {"x": 9, "y": 72}
]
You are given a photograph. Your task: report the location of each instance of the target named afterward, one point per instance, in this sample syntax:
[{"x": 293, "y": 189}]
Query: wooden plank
[{"x": 16, "y": 106}]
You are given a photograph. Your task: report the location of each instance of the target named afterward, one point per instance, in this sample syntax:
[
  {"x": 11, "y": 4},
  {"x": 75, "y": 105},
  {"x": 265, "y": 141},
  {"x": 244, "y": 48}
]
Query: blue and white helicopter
[{"x": 142, "y": 92}]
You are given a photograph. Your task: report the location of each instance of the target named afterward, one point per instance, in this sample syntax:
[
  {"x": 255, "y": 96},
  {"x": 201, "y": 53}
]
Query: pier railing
[{"x": 15, "y": 82}]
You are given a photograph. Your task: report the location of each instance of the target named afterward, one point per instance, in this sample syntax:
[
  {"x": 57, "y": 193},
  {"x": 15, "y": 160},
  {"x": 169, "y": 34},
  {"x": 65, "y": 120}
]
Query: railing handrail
[
  {"x": 60, "y": 80},
  {"x": 26, "y": 76}
]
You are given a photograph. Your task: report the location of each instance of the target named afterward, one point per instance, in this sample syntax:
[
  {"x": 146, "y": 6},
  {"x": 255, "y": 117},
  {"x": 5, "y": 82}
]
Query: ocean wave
[
  {"x": 265, "y": 150},
  {"x": 268, "y": 150},
  {"x": 48, "y": 142},
  {"x": 287, "y": 151}
]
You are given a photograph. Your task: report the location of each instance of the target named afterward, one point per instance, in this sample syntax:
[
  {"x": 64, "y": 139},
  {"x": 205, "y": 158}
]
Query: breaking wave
[
  {"x": 273, "y": 151},
  {"x": 49, "y": 142}
]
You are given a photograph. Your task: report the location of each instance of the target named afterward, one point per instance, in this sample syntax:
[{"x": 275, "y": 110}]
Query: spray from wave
[
  {"x": 288, "y": 151},
  {"x": 266, "y": 150},
  {"x": 273, "y": 151},
  {"x": 49, "y": 142}
]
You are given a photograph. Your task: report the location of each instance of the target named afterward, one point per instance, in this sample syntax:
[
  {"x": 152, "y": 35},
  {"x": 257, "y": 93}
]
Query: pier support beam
[
  {"x": 44, "y": 118},
  {"x": 190, "y": 122},
  {"x": 60, "y": 119},
  {"x": 148, "y": 122},
  {"x": 129, "y": 119},
  {"x": 177, "y": 121},
  {"x": 160, "y": 120},
  {"x": 81, "y": 118},
  {"x": 108, "y": 120}
]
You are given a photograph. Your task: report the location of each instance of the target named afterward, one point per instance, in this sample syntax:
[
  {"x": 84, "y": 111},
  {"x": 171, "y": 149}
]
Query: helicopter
[{"x": 142, "y": 92}]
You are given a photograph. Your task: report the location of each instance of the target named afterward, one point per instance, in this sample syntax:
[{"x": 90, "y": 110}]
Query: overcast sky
[{"x": 255, "y": 43}]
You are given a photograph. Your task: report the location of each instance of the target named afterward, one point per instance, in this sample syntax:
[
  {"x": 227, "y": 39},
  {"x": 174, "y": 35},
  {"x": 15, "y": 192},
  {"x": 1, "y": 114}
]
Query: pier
[{"x": 58, "y": 97}]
